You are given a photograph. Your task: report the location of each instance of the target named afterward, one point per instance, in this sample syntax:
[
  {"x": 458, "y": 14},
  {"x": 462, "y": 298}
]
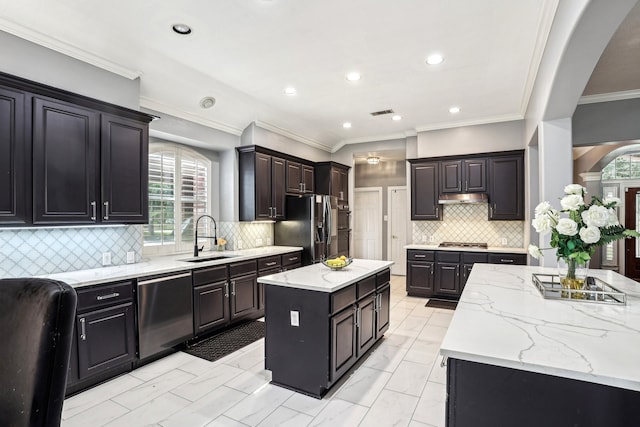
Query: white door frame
[
  {"x": 371, "y": 190},
  {"x": 390, "y": 189}
]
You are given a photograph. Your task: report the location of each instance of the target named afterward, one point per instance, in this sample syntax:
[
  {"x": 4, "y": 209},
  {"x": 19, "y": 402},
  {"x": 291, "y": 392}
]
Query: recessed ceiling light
[
  {"x": 290, "y": 91},
  {"x": 435, "y": 59},
  {"x": 353, "y": 77},
  {"x": 346, "y": 125},
  {"x": 396, "y": 118},
  {"x": 182, "y": 29},
  {"x": 454, "y": 110},
  {"x": 207, "y": 102}
]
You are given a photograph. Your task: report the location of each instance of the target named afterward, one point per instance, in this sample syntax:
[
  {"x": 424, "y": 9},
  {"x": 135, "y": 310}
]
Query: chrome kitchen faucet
[{"x": 196, "y": 250}]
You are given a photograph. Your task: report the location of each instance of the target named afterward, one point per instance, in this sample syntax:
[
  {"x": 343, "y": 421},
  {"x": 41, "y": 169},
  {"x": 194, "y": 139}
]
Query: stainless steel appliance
[
  {"x": 463, "y": 245},
  {"x": 312, "y": 223},
  {"x": 165, "y": 312}
]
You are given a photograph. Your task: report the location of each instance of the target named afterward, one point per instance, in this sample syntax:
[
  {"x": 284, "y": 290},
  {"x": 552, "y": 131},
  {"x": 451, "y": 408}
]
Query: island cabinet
[{"x": 313, "y": 337}]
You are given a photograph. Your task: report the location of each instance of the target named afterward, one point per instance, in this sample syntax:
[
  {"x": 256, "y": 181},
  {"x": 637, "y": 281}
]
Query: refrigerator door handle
[{"x": 327, "y": 213}]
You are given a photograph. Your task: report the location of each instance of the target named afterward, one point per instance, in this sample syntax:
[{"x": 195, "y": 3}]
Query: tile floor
[{"x": 399, "y": 383}]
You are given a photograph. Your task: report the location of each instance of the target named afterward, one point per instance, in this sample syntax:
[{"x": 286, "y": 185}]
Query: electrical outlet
[
  {"x": 432, "y": 239},
  {"x": 131, "y": 257},
  {"x": 239, "y": 244},
  {"x": 106, "y": 258},
  {"x": 268, "y": 241},
  {"x": 295, "y": 318},
  {"x": 258, "y": 242},
  {"x": 424, "y": 238},
  {"x": 503, "y": 241}
]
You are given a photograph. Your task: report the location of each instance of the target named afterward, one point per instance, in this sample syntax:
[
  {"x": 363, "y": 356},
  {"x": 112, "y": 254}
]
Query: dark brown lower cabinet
[
  {"x": 366, "y": 323},
  {"x": 343, "y": 342},
  {"x": 447, "y": 274},
  {"x": 244, "y": 295},
  {"x": 210, "y": 306}
]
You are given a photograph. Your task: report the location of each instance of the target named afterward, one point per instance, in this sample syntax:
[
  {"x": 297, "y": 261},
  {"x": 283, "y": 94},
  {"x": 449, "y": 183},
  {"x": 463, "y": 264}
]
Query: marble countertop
[
  {"x": 502, "y": 249},
  {"x": 162, "y": 265},
  {"x": 503, "y": 320},
  {"x": 317, "y": 277}
]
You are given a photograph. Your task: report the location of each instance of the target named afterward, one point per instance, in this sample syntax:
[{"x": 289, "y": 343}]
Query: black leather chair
[{"x": 36, "y": 328}]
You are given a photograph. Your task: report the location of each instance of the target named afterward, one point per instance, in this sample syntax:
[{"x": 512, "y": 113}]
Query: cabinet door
[
  {"x": 336, "y": 185},
  {"x": 294, "y": 177},
  {"x": 343, "y": 342},
  {"x": 366, "y": 323},
  {"x": 65, "y": 163},
  {"x": 244, "y": 295},
  {"x": 424, "y": 192},
  {"x": 308, "y": 179},
  {"x": 447, "y": 279},
  {"x": 14, "y": 167},
  {"x": 106, "y": 338},
  {"x": 278, "y": 187},
  {"x": 383, "y": 311},
  {"x": 263, "y": 186},
  {"x": 506, "y": 188},
  {"x": 210, "y": 306},
  {"x": 125, "y": 171},
  {"x": 474, "y": 172},
  {"x": 261, "y": 285},
  {"x": 451, "y": 176},
  {"x": 344, "y": 185},
  {"x": 420, "y": 278},
  {"x": 466, "y": 271}
]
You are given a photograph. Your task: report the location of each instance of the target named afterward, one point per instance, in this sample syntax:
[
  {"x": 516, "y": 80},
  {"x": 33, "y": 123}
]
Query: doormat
[
  {"x": 438, "y": 303},
  {"x": 218, "y": 346}
]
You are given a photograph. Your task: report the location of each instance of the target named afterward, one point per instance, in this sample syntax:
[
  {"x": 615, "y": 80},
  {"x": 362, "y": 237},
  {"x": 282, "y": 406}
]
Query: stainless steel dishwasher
[{"x": 165, "y": 312}]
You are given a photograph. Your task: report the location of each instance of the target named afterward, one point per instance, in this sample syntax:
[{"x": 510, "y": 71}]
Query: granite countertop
[
  {"x": 161, "y": 265},
  {"x": 503, "y": 320},
  {"x": 317, "y": 277},
  {"x": 432, "y": 247}
]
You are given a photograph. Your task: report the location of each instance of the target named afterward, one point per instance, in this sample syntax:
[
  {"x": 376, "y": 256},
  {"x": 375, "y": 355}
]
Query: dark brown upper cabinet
[
  {"x": 506, "y": 187},
  {"x": 15, "y": 170},
  {"x": 262, "y": 179},
  {"x": 463, "y": 176},
  {"x": 333, "y": 179},
  {"x": 424, "y": 191},
  {"x": 300, "y": 178}
]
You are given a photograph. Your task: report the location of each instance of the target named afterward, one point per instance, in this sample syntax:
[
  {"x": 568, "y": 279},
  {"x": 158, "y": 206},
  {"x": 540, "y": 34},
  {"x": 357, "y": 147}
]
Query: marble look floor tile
[
  {"x": 424, "y": 352},
  {"x": 149, "y": 390},
  {"x": 391, "y": 409},
  {"x": 223, "y": 421},
  {"x": 162, "y": 366},
  {"x": 285, "y": 417},
  {"x": 152, "y": 412},
  {"x": 201, "y": 412},
  {"x": 257, "y": 406},
  {"x": 198, "y": 366},
  {"x": 250, "y": 380},
  {"x": 438, "y": 373},
  {"x": 205, "y": 383},
  {"x": 364, "y": 386},
  {"x": 431, "y": 406},
  {"x": 414, "y": 423},
  {"x": 339, "y": 413},
  {"x": 305, "y": 404},
  {"x": 421, "y": 311},
  {"x": 433, "y": 333},
  {"x": 97, "y": 415},
  {"x": 413, "y": 324},
  {"x": 410, "y": 378},
  {"x": 399, "y": 338},
  {"x": 247, "y": 359},
  {"x": 385, "y": 358},
  {"x": 87, "y": 399},
  {"x": 441, "y": 318}
]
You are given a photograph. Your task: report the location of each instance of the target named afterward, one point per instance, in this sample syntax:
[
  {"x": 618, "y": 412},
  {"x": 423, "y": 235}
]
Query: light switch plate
[
  {"x": 295, "y": 318},
  {"x": 503, "y": 241},
  {"x": 106, "y": 258},
  {"x": 268, "y": 241},
  {"x": 131, "y": 257},
  {"x": 258, "y": 242}
]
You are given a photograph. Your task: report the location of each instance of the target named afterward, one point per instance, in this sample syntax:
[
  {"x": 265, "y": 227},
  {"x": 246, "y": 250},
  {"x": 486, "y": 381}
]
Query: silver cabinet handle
[
  {"x": 270, "y": 212},
  {"x": 106, "y": 210},
  {"x": 437, "y": 209},
  {"x": 94, "y": 211},
  {"x": 341, "y": 195},
  {"x": 300, "y": 187},
  {"x": 294, "y": 258},
  {"x": 233, "y": 287},
  {"x": 304, "y": 187},
  {"x": 275, "y": 212},
  {"x": 269, "y": 264},
  {"x": 506, "y": 260},
  {"x": 109, "y": 296},
  {"x": 226, "y": 290},
  {"x": 419, "y": 256},
  {"x": 357, "y": 317},
  {"x": 162, "y": 279},
  {"x": 83, "y": 330}
]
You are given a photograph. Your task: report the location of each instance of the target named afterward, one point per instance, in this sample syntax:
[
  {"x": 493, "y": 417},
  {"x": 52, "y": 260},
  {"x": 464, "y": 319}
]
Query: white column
[{"x": 555, "y": 166}]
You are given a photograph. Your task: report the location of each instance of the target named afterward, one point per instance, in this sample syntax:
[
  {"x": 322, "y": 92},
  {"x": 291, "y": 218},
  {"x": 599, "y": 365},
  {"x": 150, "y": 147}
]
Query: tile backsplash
[
  {"x": 37, "y": 251},
  {"x": 469, "y": 223},
  {"x": 246, "y": 235}
]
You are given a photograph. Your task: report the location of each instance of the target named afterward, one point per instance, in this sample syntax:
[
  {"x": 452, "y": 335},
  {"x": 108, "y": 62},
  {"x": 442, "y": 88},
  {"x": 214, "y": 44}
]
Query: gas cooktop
[{"x": 463, "y": 245}]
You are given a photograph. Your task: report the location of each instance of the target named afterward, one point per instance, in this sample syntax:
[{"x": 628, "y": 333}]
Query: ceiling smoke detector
[
  {"x": 381, "y": 112},
  {"x": 207, "y": 102}
]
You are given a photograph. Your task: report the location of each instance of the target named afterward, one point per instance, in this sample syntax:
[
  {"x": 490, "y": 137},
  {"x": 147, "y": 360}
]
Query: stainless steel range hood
[{"x": 450, "y": 199}]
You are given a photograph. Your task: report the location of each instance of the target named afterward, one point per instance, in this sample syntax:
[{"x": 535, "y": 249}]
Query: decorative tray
[
  {"x": 595, "y": 290},
  {"x": 337, "y": 263}
]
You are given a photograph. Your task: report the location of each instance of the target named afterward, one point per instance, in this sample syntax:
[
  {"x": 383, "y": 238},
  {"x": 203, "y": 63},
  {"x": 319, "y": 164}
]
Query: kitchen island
[
  {"x": 319, "y": 322},
  {"x": 515, "y": 358}
]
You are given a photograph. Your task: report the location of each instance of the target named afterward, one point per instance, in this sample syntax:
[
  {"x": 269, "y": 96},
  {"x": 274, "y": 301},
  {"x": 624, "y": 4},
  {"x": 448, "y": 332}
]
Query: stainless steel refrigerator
[{"x": 311, "y": 222}]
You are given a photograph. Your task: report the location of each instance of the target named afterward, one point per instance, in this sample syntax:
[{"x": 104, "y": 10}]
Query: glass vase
[{"x": 572, "y": 274}]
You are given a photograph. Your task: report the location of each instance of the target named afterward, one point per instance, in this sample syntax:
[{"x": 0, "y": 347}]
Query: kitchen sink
[{"x": 206, "y": 258}]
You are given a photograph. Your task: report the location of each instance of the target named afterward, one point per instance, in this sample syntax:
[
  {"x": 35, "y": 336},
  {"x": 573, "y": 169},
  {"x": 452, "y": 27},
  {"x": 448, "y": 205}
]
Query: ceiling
[{"x": 245, "y": 52}]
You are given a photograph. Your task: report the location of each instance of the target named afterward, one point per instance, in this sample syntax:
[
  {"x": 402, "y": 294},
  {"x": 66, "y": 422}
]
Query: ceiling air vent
[{"x": 381, "y": 113}]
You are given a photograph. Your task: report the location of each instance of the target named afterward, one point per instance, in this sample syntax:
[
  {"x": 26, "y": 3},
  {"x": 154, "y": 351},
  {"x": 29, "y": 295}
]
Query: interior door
[
  {"x": 631, "y": 222},
  {"x": 367, "y": 231},
  {"x": 398, "y": 230}
]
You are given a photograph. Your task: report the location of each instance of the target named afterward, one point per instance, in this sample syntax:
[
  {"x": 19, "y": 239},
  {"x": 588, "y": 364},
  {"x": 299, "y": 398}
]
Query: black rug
[
  {"x": 438, "y": 303},
  {"x": 217, "y": 346}
]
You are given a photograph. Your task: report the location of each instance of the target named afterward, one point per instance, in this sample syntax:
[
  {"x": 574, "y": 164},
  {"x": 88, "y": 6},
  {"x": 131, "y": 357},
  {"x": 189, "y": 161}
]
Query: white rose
[
  {"x": 535, "y": 251},
  {"x": 609, "y": 200},
  {"x": 613, "y": 218},
  {"x": 575, "y": 189},
  {"x": 590, "y": 234},
  {"x": 542, "y": 224},
  {"x": 571, "y": 202},
  {"x": 543, "y": 208},
  {"x": 596, "y": 216},
  {"x": 567, "y": 227}
]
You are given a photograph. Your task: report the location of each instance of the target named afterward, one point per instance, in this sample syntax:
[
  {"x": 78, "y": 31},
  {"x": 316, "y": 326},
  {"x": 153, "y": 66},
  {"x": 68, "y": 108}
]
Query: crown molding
[
  {"x": 377, "y": 138},
  {"x": 163, "y": 108},
  {"x": 67, "y": 49},
  {"x": 280, "y": 131},
  {"x": 485, "y": 121},
  {"x": 608, "y": 97}
]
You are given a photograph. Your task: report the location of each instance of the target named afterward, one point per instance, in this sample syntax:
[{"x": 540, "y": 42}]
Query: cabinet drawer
[
  {"x": 289, "y": 259},
  {"x": 343, "y": 298},
  {"x": 383, "y": 278},
  {"x": 413, "y": 255},
  {"x": 516, "y": 259},
  {"x": 366, "y": 286},
  {"x": 241, "y": 268},
  {"x": 269, "y": 263},
  {"x": 104, "y": 295},
  {"x": 210, "y": 275},
  {"x": 448, "y": 256},
  {"x": 473, "y": 257}
]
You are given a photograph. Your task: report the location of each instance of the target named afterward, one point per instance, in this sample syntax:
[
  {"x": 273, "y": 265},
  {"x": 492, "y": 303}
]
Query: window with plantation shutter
[{"x": 178, "y": 194}]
